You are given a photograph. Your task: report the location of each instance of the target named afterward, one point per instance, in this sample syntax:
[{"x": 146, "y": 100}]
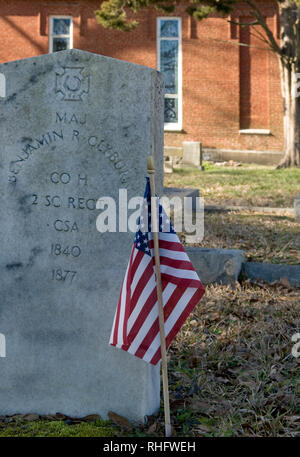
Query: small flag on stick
[
  {"x": 159, "y": 291},
  {"x": 136, "y": 324}
]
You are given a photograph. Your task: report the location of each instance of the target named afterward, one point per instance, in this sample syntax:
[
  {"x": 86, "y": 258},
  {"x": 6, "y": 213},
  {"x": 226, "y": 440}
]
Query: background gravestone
[{"x": 74, "y": 126}]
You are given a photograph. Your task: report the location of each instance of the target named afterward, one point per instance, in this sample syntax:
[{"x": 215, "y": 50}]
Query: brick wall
[{"x": 225, "y": 87}]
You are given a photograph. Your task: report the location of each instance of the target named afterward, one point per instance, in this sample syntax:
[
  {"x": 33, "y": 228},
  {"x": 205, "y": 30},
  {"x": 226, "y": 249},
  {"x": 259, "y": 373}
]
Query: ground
[
  {"x": 263, "y": 238},
  {"x": 268, "y": 238},
  {"x": 231, "y": 371},
  {"x": 231, "y": 368}
]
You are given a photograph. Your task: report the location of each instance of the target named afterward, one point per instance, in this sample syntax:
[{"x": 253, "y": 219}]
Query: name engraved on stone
[
  {"x": 47, "y": 139},
  {"x": 71, "y": 84},
  {"x": 31, "y": 147}
]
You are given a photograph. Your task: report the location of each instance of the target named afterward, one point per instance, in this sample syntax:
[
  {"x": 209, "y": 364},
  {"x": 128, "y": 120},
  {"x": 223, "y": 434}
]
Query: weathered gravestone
[{"x": 74, "y": 126}]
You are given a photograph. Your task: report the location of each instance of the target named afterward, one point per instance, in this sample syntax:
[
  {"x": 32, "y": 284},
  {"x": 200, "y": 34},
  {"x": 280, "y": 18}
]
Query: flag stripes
[{"x": 136, "y": 324}]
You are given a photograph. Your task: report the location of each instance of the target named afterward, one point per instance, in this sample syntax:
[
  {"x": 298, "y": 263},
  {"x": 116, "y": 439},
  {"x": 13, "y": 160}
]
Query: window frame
[
  {"x": 52, "y": 35},
  {"x": 170, "y": 126}
]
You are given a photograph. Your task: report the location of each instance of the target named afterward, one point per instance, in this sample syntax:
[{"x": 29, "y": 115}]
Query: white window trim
[
  {"x": 254, "y": 132},
  {"x": 170, "y": 126},
  {"x": 52, "y": 35}
]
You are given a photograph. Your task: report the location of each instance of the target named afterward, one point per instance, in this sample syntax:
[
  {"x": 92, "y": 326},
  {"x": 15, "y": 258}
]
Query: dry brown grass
[
  {"x": 231, "y": 368},
  {"x": 264, "y": 238}
]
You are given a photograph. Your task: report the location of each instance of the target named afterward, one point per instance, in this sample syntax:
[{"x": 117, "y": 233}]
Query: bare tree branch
[{"x": 271, "y": 39}]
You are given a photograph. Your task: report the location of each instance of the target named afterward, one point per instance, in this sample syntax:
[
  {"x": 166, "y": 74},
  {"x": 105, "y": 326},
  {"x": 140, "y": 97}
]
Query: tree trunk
[
  {"x": 289, "y": 63},
  {"x": 291, "y": 116}
]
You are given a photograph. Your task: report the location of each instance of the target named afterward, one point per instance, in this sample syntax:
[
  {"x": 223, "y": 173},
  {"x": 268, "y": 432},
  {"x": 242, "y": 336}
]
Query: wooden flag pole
[{"x": 164, "y": 363}]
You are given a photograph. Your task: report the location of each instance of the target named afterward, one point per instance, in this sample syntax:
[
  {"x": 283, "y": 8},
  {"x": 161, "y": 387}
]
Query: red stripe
[
  {"x": 128, "y": 294},
  {"x": 116, "y": 329},
  {"x": 172, "y": 246},
  {"x": 148, "y": 305},
  {"x": 176, "y": 263},
  {"x": 141, "y": 285},
  {"x": 176, "y": 327},
  {"x": 145, "y": 311},
  {"x": 154, "y": 330},
  {"x": 136, "y": 261},
  {"x": 181, "y": 282},
  {"x": 115, "y": 338}
]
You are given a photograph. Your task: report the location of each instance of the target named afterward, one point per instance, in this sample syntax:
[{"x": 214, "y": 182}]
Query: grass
[
  {"x": 253, "y": 185},
  {"x": 263, "y": 237},
  {"x": 19, "y": 428},
  {"x": 231, "y": 371}
]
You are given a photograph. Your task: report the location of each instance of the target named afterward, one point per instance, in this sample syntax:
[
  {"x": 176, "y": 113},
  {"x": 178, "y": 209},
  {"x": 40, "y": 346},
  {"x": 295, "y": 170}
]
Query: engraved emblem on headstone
[{"x": 72, "y": 84}]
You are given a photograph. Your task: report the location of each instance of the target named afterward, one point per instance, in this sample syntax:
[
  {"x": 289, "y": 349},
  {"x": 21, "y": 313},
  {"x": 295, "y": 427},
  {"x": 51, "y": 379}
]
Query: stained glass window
[
  {"x": 171, "y": 110},
  {"x": 60, "y": 33},
  {"x": 61, "y": 26},
  {"x": 169, "y": 28},
  {"x": 169, "y": 65}
]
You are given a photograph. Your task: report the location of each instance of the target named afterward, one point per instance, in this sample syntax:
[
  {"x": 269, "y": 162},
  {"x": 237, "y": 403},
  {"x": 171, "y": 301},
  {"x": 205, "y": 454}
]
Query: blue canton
[{"x": 142, "y": 236}]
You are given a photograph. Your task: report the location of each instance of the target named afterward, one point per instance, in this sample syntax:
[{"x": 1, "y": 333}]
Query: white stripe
[
  {"x": 134, "y": 254},
  {"x": 179, "y": 273},
  {"x": 111, "y": 340},
  {"x": 122, "y": 309},
  {"x": 171, "y": 237},
  {"x": 115, "y": 318},
  {"x": 171, "y": 321},
  {"x": 179, "y": 308},
  {"x": 175, "y": 255},
  {"x": 148, "y": 289},
  {"x": 148, "y": 322},
  {"x": 152, "y": 348}
]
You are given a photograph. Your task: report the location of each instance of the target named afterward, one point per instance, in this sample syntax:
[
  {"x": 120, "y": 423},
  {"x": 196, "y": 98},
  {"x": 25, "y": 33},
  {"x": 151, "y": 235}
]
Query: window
[
  {"x": 169, "y": 63},
  {"x": 61, "y": 33}
]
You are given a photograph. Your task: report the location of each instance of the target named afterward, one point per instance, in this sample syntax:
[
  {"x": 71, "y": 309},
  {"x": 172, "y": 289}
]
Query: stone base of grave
[
  {"x": 272, "y": 272},
  {"x": 221, "y": 266}
]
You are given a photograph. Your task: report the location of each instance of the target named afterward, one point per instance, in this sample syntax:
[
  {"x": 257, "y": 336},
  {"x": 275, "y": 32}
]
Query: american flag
[{"x": 136, "y": 324}]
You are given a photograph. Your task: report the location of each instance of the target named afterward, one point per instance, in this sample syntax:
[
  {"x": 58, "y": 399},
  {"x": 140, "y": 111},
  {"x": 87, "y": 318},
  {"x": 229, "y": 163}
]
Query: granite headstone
[{"x": 74, "y": 126}]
